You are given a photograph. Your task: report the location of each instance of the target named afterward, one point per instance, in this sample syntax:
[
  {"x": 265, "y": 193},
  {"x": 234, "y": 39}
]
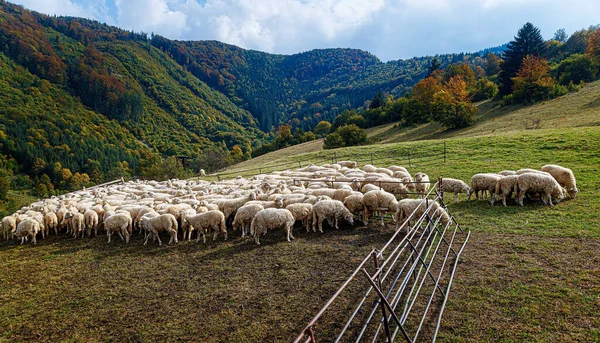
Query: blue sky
[{"x": 390, "y": 29}]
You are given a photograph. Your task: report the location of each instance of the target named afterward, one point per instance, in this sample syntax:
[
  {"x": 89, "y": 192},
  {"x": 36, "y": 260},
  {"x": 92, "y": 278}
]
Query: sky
[{"x": 390, "y": 29}]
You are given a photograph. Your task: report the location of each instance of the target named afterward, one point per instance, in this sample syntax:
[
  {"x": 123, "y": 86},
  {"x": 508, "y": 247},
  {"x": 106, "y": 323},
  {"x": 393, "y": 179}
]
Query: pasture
[{"x": 527, "y": 274}]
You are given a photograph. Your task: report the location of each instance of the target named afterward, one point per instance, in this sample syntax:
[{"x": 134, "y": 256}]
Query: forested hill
[{"x": 92, "y": 96}]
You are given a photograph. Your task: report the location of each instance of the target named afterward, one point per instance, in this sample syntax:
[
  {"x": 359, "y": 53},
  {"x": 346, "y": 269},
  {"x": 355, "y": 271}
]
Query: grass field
[{"x": 528, "y": 274}]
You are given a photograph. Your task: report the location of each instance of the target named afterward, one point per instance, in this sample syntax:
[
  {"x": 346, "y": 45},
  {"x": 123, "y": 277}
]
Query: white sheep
[
  {"x": 185, "y": 226},
  {"x": 332, "y": 210},
  {"x": 118, "y": 223},
  {"x": 163, "y": 222},
  {"x": 406, "y": 207},
  {"x": 9, "y": 225},
  {"x": 354, "y": 204},
  {"x": 270, "y": 219},
  {"x": 369, "y": 187},
  {"x": 91, "y": 222},
  {"x": 27, "y": 228},
  {"x": 78, "y": 224},
  {"x": 230, "y": 206},
  {"x": 422, "y": 184},
  {"x": 397, "y": 169},
  {"x": 381, "y": 201},
  {"x": 303, "y": 212},
  {"x": 449, "y": 185},
  {"x": 544, "y": 184},
  {"x": 348, "y": 164},
  {"x": 202, "y": 172},
  {"x": 243, "y": 217},
  {"x": 564, "y": 177},
  {"x": 483, "y": 182},
  {"x": 202, "y": 222},
  {"x": 507, "y": 172},
  {"x": 504, "y": 187},
  {"x": 51, "y": 222}
]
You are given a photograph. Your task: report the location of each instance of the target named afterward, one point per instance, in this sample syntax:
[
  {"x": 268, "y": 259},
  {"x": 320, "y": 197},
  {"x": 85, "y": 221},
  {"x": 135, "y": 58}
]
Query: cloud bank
[{"x": 391, "y": 29}]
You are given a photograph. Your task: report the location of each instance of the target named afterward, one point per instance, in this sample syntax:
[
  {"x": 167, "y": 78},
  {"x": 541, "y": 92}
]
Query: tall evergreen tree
[
  {"x": 435, "y": 65},
  {"x": 528, "y": 41}
]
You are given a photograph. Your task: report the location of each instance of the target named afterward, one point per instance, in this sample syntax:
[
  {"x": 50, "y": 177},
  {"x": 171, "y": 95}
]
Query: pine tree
[
  {"x": 435, "y": 65},
  {"x": 528, "y": 41}
]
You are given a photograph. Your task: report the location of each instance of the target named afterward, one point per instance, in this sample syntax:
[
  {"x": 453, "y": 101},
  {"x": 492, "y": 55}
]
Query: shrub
[
  {"x": 333, "y": 140},
  {"x": 485, "y": 89},
  {"x": 352, "y": 135}
]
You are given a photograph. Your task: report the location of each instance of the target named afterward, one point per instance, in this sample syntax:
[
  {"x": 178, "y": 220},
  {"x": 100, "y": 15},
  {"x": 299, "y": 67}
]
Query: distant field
[{"x": 528, "y": 273}]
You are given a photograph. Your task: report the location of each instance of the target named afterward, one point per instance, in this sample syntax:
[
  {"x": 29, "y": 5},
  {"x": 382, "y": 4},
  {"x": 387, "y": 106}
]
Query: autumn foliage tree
[
  {"x": 452, "y": 106},
  {"x": 533, "y": 81}
]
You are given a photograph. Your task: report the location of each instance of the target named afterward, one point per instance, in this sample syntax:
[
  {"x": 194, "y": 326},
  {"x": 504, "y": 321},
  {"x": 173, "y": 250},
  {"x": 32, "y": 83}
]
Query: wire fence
[
  {"x": 422, "y": 155},
  {"x": 399, "y": 292}
]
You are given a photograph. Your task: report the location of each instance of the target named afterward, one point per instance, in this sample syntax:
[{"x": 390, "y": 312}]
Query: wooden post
[
  {"x": 409, "y": 159},
  {"x": 444, "y": 152},
  {"x": 372, "y": 158}
]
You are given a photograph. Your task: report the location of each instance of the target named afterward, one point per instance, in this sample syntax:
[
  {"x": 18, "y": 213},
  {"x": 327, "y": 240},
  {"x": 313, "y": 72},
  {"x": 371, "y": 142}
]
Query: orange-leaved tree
[{"x": 533, "y": 81}]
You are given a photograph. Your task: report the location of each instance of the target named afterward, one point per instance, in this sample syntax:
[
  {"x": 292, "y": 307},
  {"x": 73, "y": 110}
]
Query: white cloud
[
  {"x": 58, "y": 7},
  {"x": 150, "y": 16}
]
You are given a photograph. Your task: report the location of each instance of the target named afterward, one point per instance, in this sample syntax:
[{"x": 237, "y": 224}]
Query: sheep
[
  {"x": 393, "y": 186},
  {"x": 564, "y": 177},
  {"x": 341, "y": 194},
  {"x": 369, "y": 168},
  {"x": 455, "y": 186},
  {"x": 230, "y": 206},
  {"x": 27, "y": 228},
  {"x": 202, "y": 172},
  {"x": 303, "y": 212},
  {"x": 332, "y": 210},
  {"x": 354, "y": 204},
  {"x": 504, "y": 187},
  {"x": 544, "y": 184},
  {"x": 213, "y": 219},
  {"x": 384, "y": 171},
  {"x": 348, "y": 164},
  {"x": 369, "y": 187},
  {"x": 78, "y": 224},
  {"x": 118, "y": 223},
  {"x": 91, "y": 222},
  {"x": 529, "y": 170},
  {"x": 483, "y": 182},
  {"x": 419, "y": 206},
  {"x": 244, "y": 217},
  {"x": 381, "y": 201},
  {"x": 422, "y": 185},
  {"x": 270, "y": 219},
  {"x": 397, "y": 169},
  {"x": 163, "y": 222},
  {"x": 507, "y": 172},
  {"x": 9, "y": 225},
  {"x": 51, "y": 222},
  {"x": 185, "y": 226},
  {"x": 400, "y": 174}
]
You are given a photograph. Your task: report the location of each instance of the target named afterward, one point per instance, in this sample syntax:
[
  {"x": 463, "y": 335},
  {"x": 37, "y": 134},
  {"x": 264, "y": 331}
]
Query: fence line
[
  {"x": 412, "y": 156},
  {"x": 409, "y": 283}
]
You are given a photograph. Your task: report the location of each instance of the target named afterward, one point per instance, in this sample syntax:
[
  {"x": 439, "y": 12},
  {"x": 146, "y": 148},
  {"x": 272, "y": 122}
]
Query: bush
[
  {"x": 333, "y": 140},
  {"x": 4, "y": 188},
  {"x": 485, "y": 89},
  {"x": 575, "y": 69},
  {"x": 352, "y": 135}
]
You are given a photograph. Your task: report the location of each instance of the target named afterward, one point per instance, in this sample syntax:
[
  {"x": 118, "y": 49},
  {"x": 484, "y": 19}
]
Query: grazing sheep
[
  {"x": 507, "y": 172},
  {"x": 243, "y": 217},
  {"x": 348, "y": 164},
  {"x": 544, "y": 184},
  {"x": 369, "y": 187},
  {"x": 369, "y": 168},
  {"x": 202, "y": 172},
  {"x": 213, "y": 219},
  {"x": 270, "y": 219},
  {"x": 422, "y": 185},
  {"x": 354, "y": 204},
  {"x": 230, "y": 206},
  {"x": 118, "y": 223},
  {"x": 407, "y": 206},
  {"x": 381, "y": 201},
  {"x": 483, "y": 182},
  {"x": 185, "y": 226},
  {"x": 397, "y": 169},
  {"x": 393, "y": 186},
  {"x": 455, "y": 186},
  {"x": 384, "y": 171},
  {"x": 164, "y": 222},
  {"x": 401, "y": 174},
  {"x": 564, "y": 177},
  {"x": 9, "y": 225},
  {"x": 332, "y": 210},
  {"x": 51, "y": 222},
  {"x": 91, "y": 222},
  {"x": 27, "y": 228},
  {"x": 504, "y": 187},
  {"x": 303, "y": 212}
]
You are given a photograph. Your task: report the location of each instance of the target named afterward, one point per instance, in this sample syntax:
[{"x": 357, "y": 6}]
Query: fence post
[
  {"x": 299, "y": 165},
  {"x": 444, "y": 152},
  {"x": 409, "y": 160},
  {"x": 260, "y": 170},
  {"x": 371, "y": 158},
  {"x": 218, "y": 177},
  {"x": 334, "y": 157}
]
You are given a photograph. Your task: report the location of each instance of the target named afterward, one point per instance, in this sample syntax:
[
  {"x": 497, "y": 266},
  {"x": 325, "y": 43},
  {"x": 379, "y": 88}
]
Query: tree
[
  {"x": 528, "y": 41},
  {"x": 357, "y": 120},
  {"x": 435, "y": 65},
  {"x": 38, "y": 166},
  {"x": 322, "y": 128},
  {"x": 593, "y": 46},
  {"x": 424, "y": 92},
  {"x": 485, "y": 89},
  {"x": 378, "y": 101},
  {"x": 492, "y": 64},
  {"x": 533, "y": 81},
  {"x": 575, "y": 69},
  {"x": 352, "y": 135},
  {"x": 560, "y": 35}
]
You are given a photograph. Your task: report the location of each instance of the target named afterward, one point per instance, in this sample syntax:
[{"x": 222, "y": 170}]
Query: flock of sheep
[{"x": 279, "y": 200}]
